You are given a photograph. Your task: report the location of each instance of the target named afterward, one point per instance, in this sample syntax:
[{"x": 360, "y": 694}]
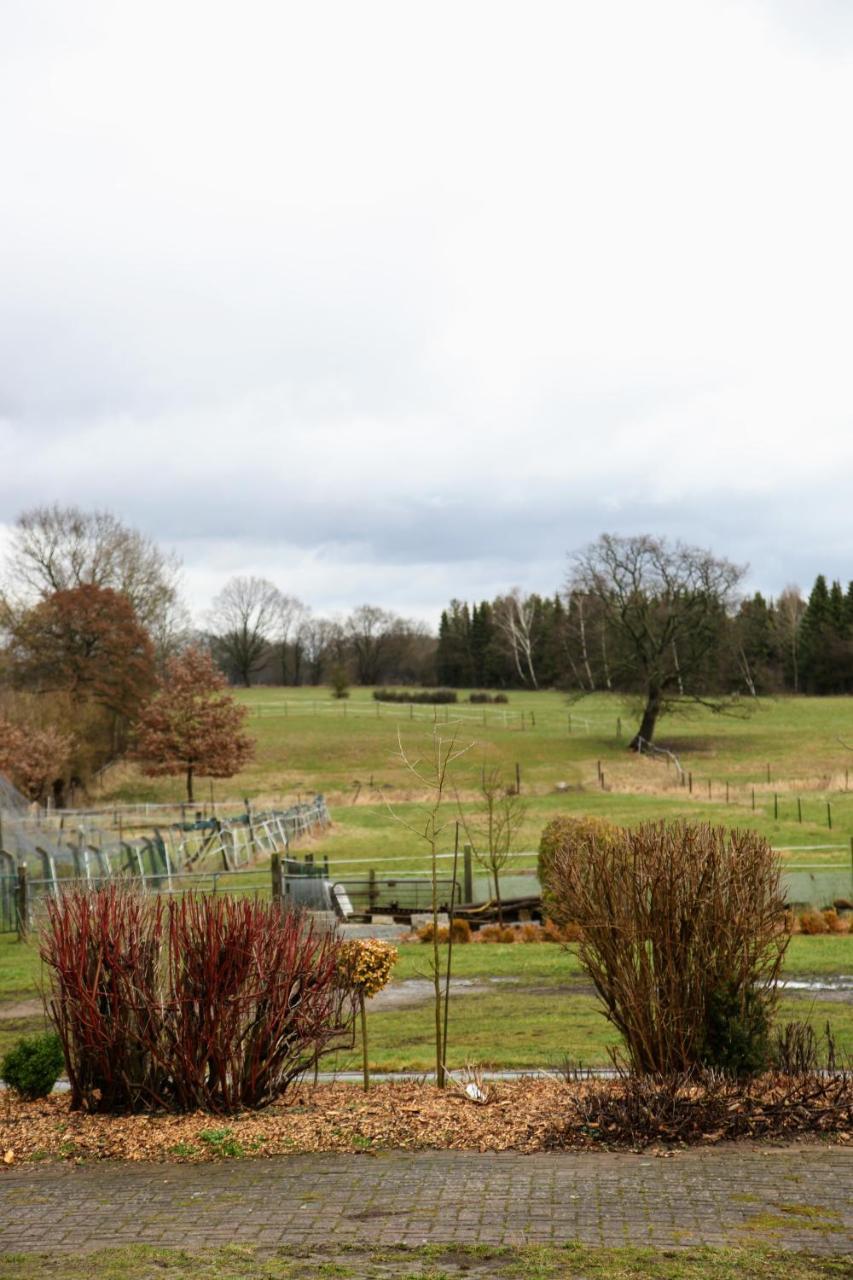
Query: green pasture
[{"x": 350, "y": 750}]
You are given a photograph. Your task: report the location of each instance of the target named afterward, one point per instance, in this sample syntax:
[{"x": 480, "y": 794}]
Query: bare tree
[
  {"x": 376, "y": 637},
  {"x": 662, "y": 605},
  {"x": 492, "y": 828},
  {"x": 790, "y": 608},
  {"x": 515, "y": 616},
  {"x": 291, "y": 613},
  {"x": 244, "y": 618},
  {"x": 56, "y": 548}
]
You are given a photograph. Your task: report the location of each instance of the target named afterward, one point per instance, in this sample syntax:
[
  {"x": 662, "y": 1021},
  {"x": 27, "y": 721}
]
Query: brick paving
[{"x": 794, "y": 1197}]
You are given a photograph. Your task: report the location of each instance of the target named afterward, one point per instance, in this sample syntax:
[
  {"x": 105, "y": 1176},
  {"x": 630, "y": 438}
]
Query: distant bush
[
  {"x": 487, "y": 697},
  {"x": 33, "y": 1065},
  {"x": 567, "y": 835},
  {"x": 460, "y": 929},
  {"x": 813, "y": 922},
  {"x": 428, "y": 696}
]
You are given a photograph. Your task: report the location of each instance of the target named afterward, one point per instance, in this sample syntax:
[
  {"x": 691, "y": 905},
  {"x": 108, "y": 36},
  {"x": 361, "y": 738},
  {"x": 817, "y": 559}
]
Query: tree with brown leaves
[
  {"x": 193, "y": 726},
  {"x": 34, "y": 760},
  {"x": 88, "y": 643}
]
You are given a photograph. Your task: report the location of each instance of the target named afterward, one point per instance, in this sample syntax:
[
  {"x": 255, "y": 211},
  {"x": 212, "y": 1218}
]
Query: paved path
[{"x": 795, "y": 1197}]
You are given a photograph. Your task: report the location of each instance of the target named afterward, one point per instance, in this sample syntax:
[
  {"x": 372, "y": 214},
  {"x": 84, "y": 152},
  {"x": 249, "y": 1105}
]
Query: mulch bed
[{"x": 521, "y": 1115}]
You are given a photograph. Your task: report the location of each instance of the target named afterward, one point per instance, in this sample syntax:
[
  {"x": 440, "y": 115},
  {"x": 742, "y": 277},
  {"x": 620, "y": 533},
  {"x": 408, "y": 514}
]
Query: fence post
[
  {"x": 690, "y": 782},
  {"x": 22, "y": 903},
  {"x": 775, "y": 806},
  {"x": 275, "y": 870},
  {"x": 829, "y": 815},
  {"x": 468, "y": 873},
  {"x": 619, "y": 728},
  {"x": 517, "y": 778}
]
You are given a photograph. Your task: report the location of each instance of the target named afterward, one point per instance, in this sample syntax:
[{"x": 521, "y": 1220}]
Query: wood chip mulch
[
  {"x": 518, "y": 1116},
  {"x": 521, "y": 1115}
]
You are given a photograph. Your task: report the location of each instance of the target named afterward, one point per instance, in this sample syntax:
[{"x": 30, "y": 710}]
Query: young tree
[
  {"x": 663, "y": 606},
  {"x": 432, "y": 771},
  {"x": 245, "y": 618},
  {"x": 193, "y": 726},
  {"x": 491, "y": 830}
]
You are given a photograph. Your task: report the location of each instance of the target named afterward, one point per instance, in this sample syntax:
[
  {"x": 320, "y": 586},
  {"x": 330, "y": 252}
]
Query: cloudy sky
[{"x": 399, "y": 301}]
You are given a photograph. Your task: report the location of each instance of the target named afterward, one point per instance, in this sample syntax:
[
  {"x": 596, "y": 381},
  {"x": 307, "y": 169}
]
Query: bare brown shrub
[
  {"x": 683, "y": 940},
  {"x": 812, "y": 922}
]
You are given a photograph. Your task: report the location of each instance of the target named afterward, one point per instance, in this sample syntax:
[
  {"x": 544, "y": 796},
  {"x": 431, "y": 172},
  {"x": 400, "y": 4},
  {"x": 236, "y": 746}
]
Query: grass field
[
  {"x": 349, "y": 751},
  {"x": 517, "y": 1016}
]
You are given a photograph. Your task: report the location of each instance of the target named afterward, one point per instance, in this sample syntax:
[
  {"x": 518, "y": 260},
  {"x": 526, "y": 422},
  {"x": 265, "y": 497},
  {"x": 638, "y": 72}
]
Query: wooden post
[
  {"x": 619, "y": 728},
  {"x": 601, "y": 779},
  {"x": 709, "y": 788},
  {"x": 727, "y": 791},
  {"x": 517, "y": 778},
  {"x": 768, "y": 773},
  {"x": 690, "y": 781},
  {"x": 775, "y": 806},
  {"x": 468, "y": 873},
  {"x": 365, "y": 1061},
  {"x": 277, "y": 886},
  {"x": 799, "y": 809},
  {"x": 753, "y": 797},
  {"x": 829, "y": 815},
  {"x": 22, "y": 903}
]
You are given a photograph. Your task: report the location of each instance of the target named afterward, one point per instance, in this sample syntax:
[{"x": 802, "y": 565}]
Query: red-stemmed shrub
[
  {"x": 209, "y": 1003},
  {"x": 103, "y": 953}
]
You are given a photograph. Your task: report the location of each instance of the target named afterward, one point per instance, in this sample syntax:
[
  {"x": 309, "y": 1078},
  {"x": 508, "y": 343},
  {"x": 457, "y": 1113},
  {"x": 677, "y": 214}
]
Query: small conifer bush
[{"x": 33, "y": 1065}]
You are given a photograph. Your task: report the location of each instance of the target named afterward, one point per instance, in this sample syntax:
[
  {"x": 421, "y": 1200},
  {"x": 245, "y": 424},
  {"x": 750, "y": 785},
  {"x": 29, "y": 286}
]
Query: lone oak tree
[
  {"x": 660, "y": 606},
  {"x": 193, "y": 726}
]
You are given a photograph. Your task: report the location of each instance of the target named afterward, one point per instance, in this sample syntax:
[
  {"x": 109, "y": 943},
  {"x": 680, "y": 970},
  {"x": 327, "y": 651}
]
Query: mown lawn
[{"x": 430, "y": 1262}]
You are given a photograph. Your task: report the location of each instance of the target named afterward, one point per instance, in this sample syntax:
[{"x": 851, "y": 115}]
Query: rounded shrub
[
  {"x": 570, "y": 835},
  {"x": 33, "y": 1065}
]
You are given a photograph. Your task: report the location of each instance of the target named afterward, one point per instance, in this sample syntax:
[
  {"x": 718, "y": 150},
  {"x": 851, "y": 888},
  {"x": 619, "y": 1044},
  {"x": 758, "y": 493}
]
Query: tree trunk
[
  {"x": 190, "y": 784},
  {"x": 646, "y": 730},
  {"x": 498, "y": 896}
]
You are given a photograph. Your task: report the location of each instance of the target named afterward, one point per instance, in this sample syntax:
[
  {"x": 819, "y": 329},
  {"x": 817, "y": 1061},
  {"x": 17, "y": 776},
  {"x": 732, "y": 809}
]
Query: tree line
[{"x": 92, "y": 626}]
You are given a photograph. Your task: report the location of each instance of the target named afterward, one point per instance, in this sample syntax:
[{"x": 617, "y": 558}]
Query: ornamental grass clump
[
  {"x": 207, "y": 1003},
  {"x": 683, "y": 938},
  {"x": 364, "y": 968}
]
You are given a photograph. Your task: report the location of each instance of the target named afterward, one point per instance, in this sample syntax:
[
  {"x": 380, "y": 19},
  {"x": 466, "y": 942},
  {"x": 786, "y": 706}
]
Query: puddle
[{"x": 838, "y": 982}]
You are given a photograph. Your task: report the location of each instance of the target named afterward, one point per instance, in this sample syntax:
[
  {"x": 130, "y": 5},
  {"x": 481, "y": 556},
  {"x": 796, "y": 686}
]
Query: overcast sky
[{"x": 394, "y": 302}]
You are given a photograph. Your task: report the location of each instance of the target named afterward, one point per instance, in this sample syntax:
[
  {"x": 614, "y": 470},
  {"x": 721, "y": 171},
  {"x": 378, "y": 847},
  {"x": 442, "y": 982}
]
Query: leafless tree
[
  {"x": 493, "y": 825},
  {"x": 662, "y": 604},
  {"x": 376, "y": 639},
  {"x": 291, "y": 613},
  {"x": 244, "y": 619},
  {"x": 55, "y": 548},
  {"x": 321, "y": 643},
  {"x": 514, "y": 617},
  {"x": 790, "y": 608}
]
